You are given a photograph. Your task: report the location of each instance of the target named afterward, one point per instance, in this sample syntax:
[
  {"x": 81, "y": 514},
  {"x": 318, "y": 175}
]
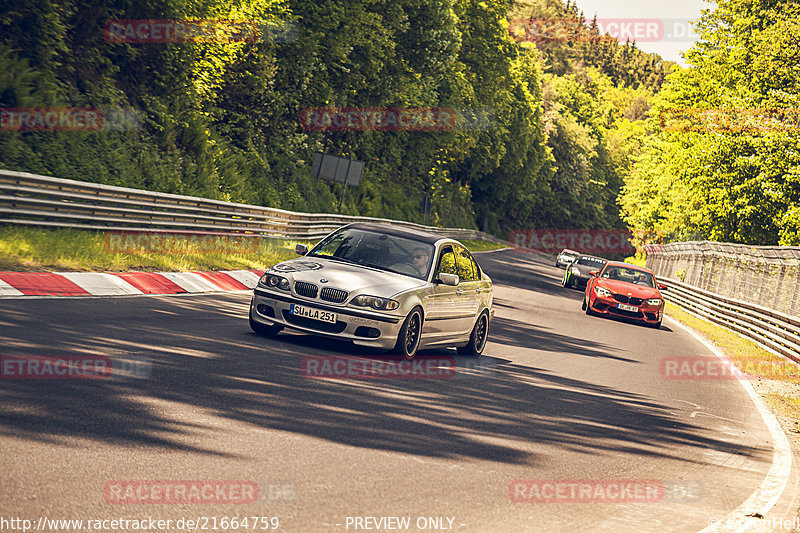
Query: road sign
[{"x": 338, "y": 169}]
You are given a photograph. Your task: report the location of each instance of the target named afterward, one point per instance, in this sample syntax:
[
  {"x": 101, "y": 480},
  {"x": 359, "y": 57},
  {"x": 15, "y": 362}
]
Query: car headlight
[
  {"x": 272, "y": 281},
  {"x": 654, "y": 301},
  {"x": 375, "y": 302},
  {"x": 574, "y": 270},
  {"x": 602, "y": 291}
]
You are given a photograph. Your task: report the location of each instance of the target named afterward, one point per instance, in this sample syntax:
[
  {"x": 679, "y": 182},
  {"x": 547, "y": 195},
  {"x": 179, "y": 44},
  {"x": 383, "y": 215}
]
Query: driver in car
[{"x": 419, "y": 259}]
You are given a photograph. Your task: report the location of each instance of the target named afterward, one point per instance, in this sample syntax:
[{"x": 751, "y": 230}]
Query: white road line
[{"x": 767, "y": 494}]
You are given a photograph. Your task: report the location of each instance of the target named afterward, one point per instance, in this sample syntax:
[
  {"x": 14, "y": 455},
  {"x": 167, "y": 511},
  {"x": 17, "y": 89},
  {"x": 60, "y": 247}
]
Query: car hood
[
  {"x": 350, "y": 278},
  {"x": 623, "y": 287}
]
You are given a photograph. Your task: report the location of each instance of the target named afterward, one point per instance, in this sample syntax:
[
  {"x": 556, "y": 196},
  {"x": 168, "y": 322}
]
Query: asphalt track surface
[{"x": 558, "y": 395}]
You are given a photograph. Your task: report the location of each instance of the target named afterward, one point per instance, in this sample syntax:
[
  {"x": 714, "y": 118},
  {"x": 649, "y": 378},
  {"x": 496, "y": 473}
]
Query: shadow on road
[
  {"x": 519, "y": 269},
  {"x": 205, "y": 357},
  {"x": 516, "y": 333}
]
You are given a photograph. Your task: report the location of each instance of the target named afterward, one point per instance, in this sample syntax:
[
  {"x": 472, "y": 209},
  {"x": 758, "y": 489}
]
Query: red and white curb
[{"x": 19, "y": 284}]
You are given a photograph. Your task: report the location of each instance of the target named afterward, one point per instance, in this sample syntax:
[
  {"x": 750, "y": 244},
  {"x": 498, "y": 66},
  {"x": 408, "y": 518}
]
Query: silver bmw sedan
[{"x": 381, "y": 286}]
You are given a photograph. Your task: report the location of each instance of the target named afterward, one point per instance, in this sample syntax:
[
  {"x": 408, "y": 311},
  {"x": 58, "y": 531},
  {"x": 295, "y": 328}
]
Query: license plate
[
  {"x": 314, "y": 314},
  {"x": 625, "y": 307}
]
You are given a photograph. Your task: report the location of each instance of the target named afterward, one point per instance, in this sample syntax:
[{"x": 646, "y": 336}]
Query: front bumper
[
  {"x": 607, "y": 305},
  {"x": 576, "y": 281},
  {"x": 365, "y": 328}
]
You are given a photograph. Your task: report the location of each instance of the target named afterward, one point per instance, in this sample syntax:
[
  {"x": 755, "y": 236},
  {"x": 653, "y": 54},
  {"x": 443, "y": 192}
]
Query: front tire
[
  {"x": 409, "y": 336},
  {"x": 587, "y": 306},
  {"x": 262, "y": 329},
  {"x": 477, "y": 339}
]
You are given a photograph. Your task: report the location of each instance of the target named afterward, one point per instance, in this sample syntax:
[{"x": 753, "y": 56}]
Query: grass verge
[
  {"x": 776, "y": 379},
  {"x": 482, "y": 246},
  {"x": 27, "y": 249}
]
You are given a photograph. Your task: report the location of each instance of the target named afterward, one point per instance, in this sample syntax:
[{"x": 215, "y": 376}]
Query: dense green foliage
[
  {"x": 735, "y": 178},
  {"x": 221, "y": 120}
]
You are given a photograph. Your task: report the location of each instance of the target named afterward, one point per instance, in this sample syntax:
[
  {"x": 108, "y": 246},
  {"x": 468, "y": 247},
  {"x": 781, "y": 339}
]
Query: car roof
[
  {"x": 628, "y": 265},
  {"x": 568, "y": 251},
  {"x": 408, "y": 233}
]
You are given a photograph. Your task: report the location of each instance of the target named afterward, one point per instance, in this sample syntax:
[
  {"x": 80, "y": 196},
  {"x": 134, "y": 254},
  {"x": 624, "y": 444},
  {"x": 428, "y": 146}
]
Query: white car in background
[
  {"x": 381, "y": 286},
  {"x": 566, "y": 257}
]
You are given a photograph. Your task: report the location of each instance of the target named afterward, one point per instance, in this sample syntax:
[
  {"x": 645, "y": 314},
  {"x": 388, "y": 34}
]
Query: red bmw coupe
[{"x": 625, "y": 290}]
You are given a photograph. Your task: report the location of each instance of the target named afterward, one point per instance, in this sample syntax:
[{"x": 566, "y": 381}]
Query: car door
[
  {"x": 468, "y": 293},
  {"x": 441, "y": 309}
]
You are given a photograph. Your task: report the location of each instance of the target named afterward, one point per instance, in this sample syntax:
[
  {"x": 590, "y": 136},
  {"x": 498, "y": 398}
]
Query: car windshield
[
  {"x": 629, "y": 275},
  {"x": 590, "y": 261},
  {"x": 377, "y": 250}
]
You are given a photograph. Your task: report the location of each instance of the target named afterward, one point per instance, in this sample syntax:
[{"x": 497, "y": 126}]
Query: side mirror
[
  {"x": 301, "y": 249},
  {"x": 593, "y": 273},
  {"x": 662, "y": 287},
  {"x": 449, "y": 279}
]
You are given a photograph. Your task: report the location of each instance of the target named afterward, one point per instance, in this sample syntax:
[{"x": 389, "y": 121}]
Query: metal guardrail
[
  {"x": 768, "y": 276},
  {"x": 752, "y": 290},
  {"x": 34, "y": 200},
  {"x": 774, "y": 330}
]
